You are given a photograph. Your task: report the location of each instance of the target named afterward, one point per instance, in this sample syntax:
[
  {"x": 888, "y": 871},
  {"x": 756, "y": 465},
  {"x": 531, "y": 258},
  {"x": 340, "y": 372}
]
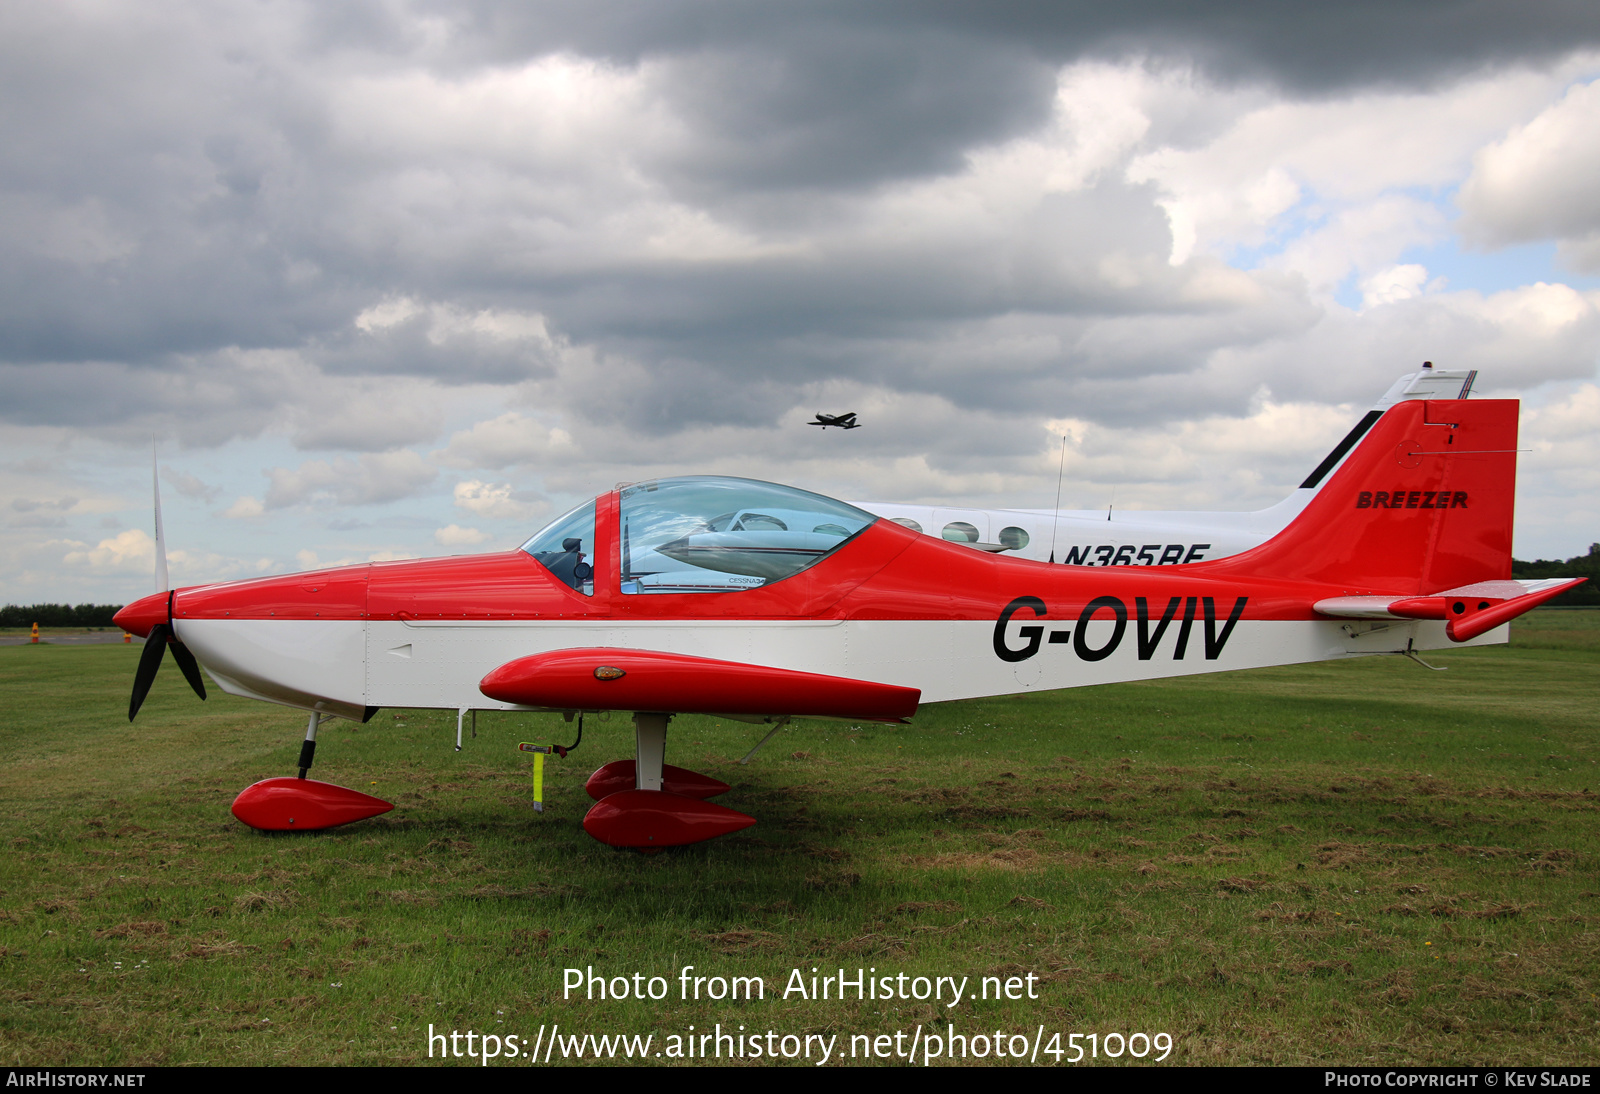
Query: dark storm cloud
[
  {"x": 1020, "y": 323},
  {"x": 872, "y": 285},
  {"x": 204, "y": 404},
  {"x": 1299, "y": 48},
  {"x": 180, "y": 199},
  {"x": 803, "y": 95}
]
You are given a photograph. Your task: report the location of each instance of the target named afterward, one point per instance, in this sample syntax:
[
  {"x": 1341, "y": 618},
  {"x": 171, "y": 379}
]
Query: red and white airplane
[{"x": 751, "y": 600}]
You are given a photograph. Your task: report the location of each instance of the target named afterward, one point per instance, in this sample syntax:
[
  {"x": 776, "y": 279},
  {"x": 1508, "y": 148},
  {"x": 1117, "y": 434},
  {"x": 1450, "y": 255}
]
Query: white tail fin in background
[{"x": 162, "y": 584}]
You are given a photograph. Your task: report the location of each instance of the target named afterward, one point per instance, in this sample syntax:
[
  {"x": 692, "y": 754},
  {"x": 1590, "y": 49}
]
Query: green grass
[{"x": 1347, "y": 863}]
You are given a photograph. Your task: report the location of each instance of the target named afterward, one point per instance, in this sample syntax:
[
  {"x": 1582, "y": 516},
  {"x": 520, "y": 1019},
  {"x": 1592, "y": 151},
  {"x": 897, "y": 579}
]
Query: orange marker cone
[{"x": 35, "y": 632}]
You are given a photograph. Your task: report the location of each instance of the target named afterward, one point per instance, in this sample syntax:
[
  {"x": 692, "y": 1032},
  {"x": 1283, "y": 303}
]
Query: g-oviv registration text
[{"x": 866, "y": 983}]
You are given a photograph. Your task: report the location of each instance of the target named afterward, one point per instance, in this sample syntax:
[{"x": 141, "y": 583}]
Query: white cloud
[
  {"x": 1540, "y": 312},
  {"x": 133, "y": 549},
  {"x": 1392, "y": 284},
  {"x": 1363, "y": 239},
  {"x": 389, "y": 313},
  {"x": 1216, "y": 462},
  {"x": 508, "y": 440},
  {"x": 1538, "y": 181},
  {"x": 444, "y": 321},
  {"x": 189, "y": 486},
  {"x": 496, "y": 501},
  {"x": 244, "y": 508},
  {"x": 1101, "y": 113},
  {"x": 371, "y": 479},
  {"x": 453, "y": 535},
  {"x": 1315, "y": 158},
  {"x": 1571, "y": 417},
  {"x": 368, "y": 414},
  {"x": 134, "y": 552},
  {"x": 1558, "y": 475}
]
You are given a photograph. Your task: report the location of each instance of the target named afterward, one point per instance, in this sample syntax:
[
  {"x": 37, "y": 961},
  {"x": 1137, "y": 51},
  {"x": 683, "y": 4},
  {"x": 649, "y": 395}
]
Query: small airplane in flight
[
  {"x": 843, "y": 421},
  {"x": 760, "y": 602}
]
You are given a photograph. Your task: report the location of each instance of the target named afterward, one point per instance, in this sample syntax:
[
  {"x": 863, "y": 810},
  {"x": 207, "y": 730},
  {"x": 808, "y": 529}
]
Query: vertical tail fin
[{"x": 1423, "y": 504}]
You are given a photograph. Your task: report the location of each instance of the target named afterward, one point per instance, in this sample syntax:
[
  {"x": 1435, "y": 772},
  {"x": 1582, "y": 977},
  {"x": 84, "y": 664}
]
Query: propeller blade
[
  {"x": 149, "y": 661},
  {"x": 162, "y": 584},
  {"x": 190, "y": 667}
]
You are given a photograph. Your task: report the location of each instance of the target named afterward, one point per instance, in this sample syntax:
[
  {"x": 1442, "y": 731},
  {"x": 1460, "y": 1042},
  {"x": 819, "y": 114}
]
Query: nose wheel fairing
[{"x": 303, "y": 805}]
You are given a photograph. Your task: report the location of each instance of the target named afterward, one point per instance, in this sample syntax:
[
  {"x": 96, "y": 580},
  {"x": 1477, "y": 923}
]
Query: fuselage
[{"x": 891, "y": 606}]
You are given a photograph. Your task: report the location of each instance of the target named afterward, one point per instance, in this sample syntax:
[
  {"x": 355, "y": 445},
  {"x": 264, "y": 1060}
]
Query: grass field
[{"x": 1350, "y": 863}]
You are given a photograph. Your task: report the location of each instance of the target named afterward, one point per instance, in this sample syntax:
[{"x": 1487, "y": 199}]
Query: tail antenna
[
  {"x": 162, "y": 584},
  {"x": 1061, "y": 473}
]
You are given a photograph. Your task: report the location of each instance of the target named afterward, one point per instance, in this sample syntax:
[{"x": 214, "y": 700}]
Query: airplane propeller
[
  {"x": 155, "y": 646},
  {"x": 162, "y": 635}
]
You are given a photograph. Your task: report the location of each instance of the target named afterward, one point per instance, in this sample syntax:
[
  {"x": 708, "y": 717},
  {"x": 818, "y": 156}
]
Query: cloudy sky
[{"x": 389, "y": 278}]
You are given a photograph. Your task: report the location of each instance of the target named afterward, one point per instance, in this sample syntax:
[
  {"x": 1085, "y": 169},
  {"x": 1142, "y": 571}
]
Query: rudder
[{"x": 1425, "y": 503}]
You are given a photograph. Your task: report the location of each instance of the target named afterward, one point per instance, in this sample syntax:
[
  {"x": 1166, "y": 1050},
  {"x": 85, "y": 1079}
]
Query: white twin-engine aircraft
[
  {"x": 1080, "y": 537},
  {"x": 760, "y": 602}
]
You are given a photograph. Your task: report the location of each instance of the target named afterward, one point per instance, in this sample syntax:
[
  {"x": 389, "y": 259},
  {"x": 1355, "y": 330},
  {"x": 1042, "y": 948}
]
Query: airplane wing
[{"x": 650, "y": 680}]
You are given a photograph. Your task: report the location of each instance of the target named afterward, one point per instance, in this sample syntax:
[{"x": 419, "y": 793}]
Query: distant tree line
[
  {"x": 58, "y": 615},
  {"x": 1586, "y": 595}
]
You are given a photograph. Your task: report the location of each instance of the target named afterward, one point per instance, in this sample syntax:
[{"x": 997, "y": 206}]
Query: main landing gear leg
[
  {"x": 308, "y": 747},
  {"x": 649, "y": 749}
]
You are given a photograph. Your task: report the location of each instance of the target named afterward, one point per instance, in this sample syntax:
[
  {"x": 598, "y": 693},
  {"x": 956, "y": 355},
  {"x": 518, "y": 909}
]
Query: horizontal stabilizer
[
  {"x": 1471, "y": 610},
  {"x": 677, "y": 683}
]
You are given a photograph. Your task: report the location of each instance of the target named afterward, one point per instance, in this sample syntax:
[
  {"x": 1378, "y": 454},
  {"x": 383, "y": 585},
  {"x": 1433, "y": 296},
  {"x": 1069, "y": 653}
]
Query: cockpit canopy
[
  {"x": 703, "y": 534},
  {"x": 565, "y": 547}
]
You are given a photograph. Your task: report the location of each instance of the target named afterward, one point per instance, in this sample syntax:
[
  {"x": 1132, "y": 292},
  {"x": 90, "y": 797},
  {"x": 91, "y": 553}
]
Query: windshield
[
  {"x": 565, "y": 547},
  {"x": 706, "y": 534}
]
